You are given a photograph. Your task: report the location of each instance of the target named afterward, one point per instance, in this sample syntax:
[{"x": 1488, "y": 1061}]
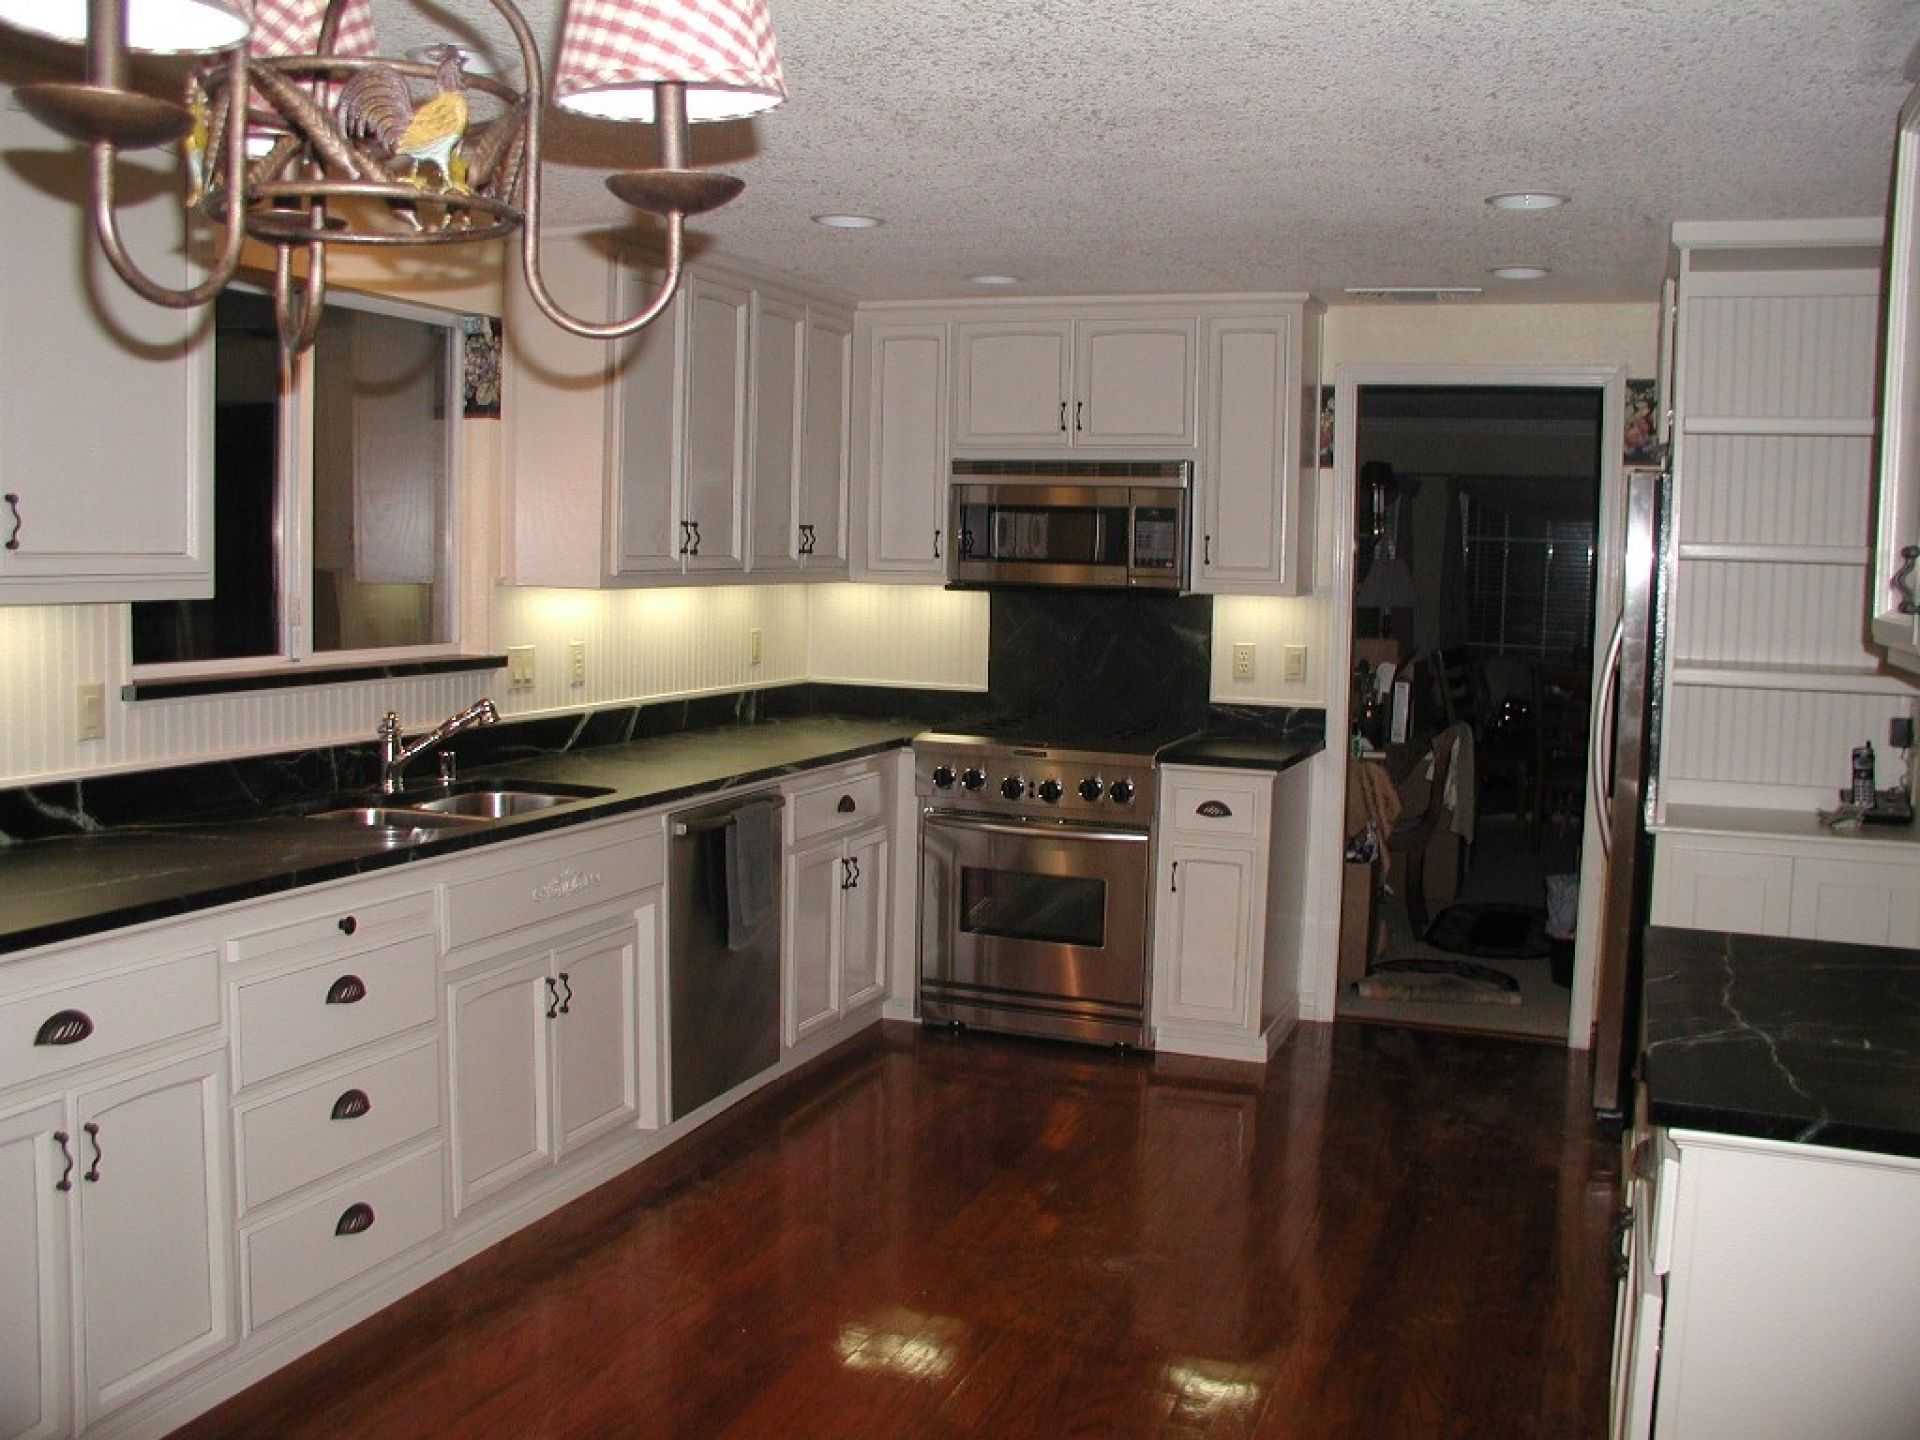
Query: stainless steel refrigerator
[{"x": 1626, "y": 736}]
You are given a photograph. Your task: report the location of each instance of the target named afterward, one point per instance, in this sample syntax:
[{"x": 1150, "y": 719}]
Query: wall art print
[
  {"x": 480, "y": 339},
  {"x": 1643, "y": 424}
]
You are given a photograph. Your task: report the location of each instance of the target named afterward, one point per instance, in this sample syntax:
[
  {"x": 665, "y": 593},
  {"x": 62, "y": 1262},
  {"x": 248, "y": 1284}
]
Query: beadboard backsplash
[{"x": 640, "y": 645}]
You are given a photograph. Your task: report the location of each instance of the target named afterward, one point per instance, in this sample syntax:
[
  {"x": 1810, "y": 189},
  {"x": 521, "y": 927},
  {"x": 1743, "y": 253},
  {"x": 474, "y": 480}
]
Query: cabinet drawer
[
  {"x": 337, "y": 933},
  {"x": 855, "y": 800},
  {"x": 337, "y": 1122},
  {"x": 282, "y": 1022},
  {"x": 304, "y": 1254},
  {"x": 107, "y": 1015},
  {"x": 552, "y": 884},
  {"x": 1224, "y": 805}
]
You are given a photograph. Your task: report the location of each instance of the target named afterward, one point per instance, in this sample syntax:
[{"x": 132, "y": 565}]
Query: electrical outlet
[
  {"x": 519, "y": 667},
  {"x": 90, "y": 711},
  {"x": 1243, "y": 661},
  {"x": 1293, "y": 663},
  {"x": 753, "y": 647},
  {"x": 577, "y": 662}
]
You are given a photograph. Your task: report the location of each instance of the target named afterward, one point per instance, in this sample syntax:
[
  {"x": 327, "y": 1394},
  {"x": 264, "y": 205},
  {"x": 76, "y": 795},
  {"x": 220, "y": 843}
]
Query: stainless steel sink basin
[
  {"x": 494, "y": 804},
  {"x": 391, "y": 817}
]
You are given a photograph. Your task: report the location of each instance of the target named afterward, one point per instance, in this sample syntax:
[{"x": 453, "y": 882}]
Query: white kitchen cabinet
[
  {"x": 1253, "y": 531},
  {"x": 1042, "y": 384},
  {"x": 904, "y": 407},
  {"x": 801, "y": 384},
  {"x": 1892, "y": 610},
  {"x": 116, "y": 1265},
  {"x": 837, "y": 883},
  {"x": 542, "y": 1054},
  {"x": 1777, "y": 1292},
  {"x": 1227, "y": 910},
  {"x": 106, "y": 400},
  {"x": 1861, "y": 889}
]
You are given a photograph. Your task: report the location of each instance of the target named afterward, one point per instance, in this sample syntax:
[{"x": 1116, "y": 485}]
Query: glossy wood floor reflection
[{"x": 1390, "y": 1233}]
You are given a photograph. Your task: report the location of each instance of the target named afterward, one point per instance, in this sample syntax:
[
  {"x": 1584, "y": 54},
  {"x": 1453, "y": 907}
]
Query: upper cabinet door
[
  {"x": 713, "y": 455},
  {"x": 1013, "y": 384},
  {"x": 1251, "y": 534},
  {"x": 824, "y": 455},
  {"x": 1892, "y": 607},
  {"x": 642, "y": 443},
  {"x": 106, "y": 400},
  {"x": 779, "y": 333},
  {"x": 1133, "y": 383},
  {"x": 906, "y": 451}
]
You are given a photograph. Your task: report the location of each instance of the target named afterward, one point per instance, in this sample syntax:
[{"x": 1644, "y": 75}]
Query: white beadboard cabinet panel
[
  {"x": 1801, "y": 357},
  {"x": 917, "y": 635},
  {"x": 1748, "y": 613},
  {"x": 1804, "y": 490},
  {"x": 1761, "y": 749}
]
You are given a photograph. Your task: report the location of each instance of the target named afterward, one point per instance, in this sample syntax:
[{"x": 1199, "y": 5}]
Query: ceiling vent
[{"x": 1413, "y": 294}]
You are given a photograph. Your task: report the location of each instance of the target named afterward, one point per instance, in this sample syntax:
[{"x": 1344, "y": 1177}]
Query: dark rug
[{"x": 1494, "y": 932}]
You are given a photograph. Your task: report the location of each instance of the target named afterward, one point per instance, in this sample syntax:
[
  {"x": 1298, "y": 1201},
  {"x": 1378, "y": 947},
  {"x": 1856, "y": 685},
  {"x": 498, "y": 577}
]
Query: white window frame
[{"x": 294, "y": 523}]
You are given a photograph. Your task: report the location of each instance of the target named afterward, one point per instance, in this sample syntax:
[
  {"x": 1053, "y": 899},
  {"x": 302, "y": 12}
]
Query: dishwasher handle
[{"x": 684, "y": 828}]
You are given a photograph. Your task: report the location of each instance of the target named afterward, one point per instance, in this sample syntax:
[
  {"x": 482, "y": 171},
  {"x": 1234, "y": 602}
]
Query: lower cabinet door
[
  {"x": 1204, "y": 947},
  {"x": 594, "y": 1086},
  {"x": 34, "y": 1220},
  {"x": 813, "y": 885},
  {"x": 499, "y": 1042},
  {"x": 156, "y": 1293},
  {"x": 863, "y": 923}
]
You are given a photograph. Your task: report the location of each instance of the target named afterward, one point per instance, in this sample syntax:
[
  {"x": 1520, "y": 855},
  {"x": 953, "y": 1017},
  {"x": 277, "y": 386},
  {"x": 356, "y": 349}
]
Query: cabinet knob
[
  {"x": 847, "y": 805},
  {"x": 64, "y": 1027},
  {"x": 348, "y": 924},
  {"x": 347, "y": 990},
  {"x": 351, "y": 1105},
  {"x": 355, "y": 1219}
]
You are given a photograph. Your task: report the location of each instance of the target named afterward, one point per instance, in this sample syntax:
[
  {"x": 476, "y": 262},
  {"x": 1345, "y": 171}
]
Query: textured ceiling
[{"x": 1126, "y": 146}]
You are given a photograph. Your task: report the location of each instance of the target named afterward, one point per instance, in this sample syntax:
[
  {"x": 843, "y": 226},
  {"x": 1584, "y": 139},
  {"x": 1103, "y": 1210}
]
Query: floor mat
[
  {"x": 1493, "y": 931},
  {"x": 1433, "y": 989}
]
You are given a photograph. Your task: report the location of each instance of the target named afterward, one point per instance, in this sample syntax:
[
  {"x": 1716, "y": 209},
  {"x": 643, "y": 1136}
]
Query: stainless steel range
[{"x": 1034, "y": 875}]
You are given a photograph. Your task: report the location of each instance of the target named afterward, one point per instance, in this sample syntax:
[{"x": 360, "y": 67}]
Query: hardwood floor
[{"x": 1390, "y": 1233}]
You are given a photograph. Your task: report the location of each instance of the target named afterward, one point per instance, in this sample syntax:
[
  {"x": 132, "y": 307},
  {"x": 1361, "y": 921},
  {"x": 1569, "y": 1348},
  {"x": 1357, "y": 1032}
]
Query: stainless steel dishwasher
[{"x": 723, "y": 946}]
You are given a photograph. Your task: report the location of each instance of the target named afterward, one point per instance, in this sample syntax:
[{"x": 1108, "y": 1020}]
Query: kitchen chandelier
[{"x": 300, "y": 137}]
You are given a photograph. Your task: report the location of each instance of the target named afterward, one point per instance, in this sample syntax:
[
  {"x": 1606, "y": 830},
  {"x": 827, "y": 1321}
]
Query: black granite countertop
[
  {"x": 1242, "y": 752},
  {"x": 1799, "y": 1040},
  {"x": 69, "y": 886}
]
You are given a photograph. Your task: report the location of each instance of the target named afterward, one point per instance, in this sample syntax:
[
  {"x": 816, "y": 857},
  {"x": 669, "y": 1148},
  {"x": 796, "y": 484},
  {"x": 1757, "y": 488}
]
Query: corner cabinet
[
  {"x": 106, "y": 400},
  {"x": 1252, "y": 528},
  {"x": 1893, "y": 606},
  {"x": 1227, "y": 910}
]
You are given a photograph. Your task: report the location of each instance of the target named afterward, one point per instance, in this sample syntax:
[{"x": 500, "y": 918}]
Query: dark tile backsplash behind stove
[{"x": 1100, "y": 660}]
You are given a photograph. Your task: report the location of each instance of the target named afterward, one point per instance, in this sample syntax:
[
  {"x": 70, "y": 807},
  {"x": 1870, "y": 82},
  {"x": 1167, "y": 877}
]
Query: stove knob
[
  {"x": 943, "y": 777},
  {"x": 973, "y": 778},
  {"x": 1050, "y": 791},
  {"x": 1121, "y": 791},
  {"x": 1091, "y": 789},
  {"x": 1013, "y": 787}
]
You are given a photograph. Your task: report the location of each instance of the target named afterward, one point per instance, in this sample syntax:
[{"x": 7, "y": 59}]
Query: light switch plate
[
  {"x": 519, "y": 667},
  {"x": 1293, "y": 663},
  {"x": 1243, "y": 661},
  {"x": 753, "y": 647},
  {"x": 90, "y": 711},
  {"x": 577, "y": 662}
]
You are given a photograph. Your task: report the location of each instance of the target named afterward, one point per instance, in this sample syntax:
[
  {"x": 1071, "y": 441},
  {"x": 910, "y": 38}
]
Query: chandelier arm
[
  {"x": 530, "y": 230},
  {"x": 106, "y": 220},
  {"x": 297, "y": 309}
]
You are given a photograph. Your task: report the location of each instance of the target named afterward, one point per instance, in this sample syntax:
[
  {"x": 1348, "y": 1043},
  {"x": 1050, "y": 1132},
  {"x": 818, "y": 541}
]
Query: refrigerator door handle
[{"x": 1600, "y": 754}]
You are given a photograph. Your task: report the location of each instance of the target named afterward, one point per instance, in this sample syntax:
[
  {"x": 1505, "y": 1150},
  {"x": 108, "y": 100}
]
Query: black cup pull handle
[
  {"x": 1213, "y": 809},
  {"x": 348, "y": 924},
  {"x": 566, "y": 996},
  {"x": 347, "y": 990},
  {"x": 64, "y": 1027},
  {"x": 13, "y": 504},
  {"x": 351, "y": 1105},
  {"x": 64, "y": 1141},
  {"x": 356, "y": 1219},
  {"x": 93, "y": 1135}
]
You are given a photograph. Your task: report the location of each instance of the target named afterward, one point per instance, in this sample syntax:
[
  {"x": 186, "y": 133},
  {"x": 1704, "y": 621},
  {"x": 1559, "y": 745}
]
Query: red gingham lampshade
[
  {"x": 165, "y": 27},
  {"x": 612, "y": 52},
  {"x": 292, "y": 27}
]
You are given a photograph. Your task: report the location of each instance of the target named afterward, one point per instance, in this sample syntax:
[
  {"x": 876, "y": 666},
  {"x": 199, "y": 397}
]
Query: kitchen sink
[
  {"x": 495, "y": 804},
  {"x": 391, "y": 817},
  {"x": 412, "y": 817}
]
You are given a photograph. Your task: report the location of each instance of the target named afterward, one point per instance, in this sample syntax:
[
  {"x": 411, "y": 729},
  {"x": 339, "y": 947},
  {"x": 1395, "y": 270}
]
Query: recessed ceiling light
[
  {"x": 1520, "y": 272},
  {"x": 1526, "y": 200},
  {"x": 994, "y": 279},
  {"x": 847, "y": 222}
]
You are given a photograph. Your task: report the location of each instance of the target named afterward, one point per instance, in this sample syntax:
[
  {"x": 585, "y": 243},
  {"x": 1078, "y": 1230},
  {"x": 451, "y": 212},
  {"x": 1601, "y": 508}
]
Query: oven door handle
[{"x": 1032, "y": 830}]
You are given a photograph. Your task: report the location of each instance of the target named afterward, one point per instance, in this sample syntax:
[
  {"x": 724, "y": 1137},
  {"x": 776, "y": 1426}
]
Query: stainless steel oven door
[{"x": 1034, "y": 927}]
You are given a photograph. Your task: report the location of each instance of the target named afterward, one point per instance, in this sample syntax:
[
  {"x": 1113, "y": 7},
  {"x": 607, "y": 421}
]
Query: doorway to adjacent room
[{"x": 1476, "y": 524}]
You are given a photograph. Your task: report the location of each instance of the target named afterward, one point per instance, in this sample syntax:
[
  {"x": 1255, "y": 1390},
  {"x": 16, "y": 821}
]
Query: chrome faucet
[{"x": 395, "y": 752}]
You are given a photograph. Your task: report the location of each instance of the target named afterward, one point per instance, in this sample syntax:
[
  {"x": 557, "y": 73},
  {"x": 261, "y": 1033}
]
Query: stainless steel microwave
[{"x": 1097, "y": 525}]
